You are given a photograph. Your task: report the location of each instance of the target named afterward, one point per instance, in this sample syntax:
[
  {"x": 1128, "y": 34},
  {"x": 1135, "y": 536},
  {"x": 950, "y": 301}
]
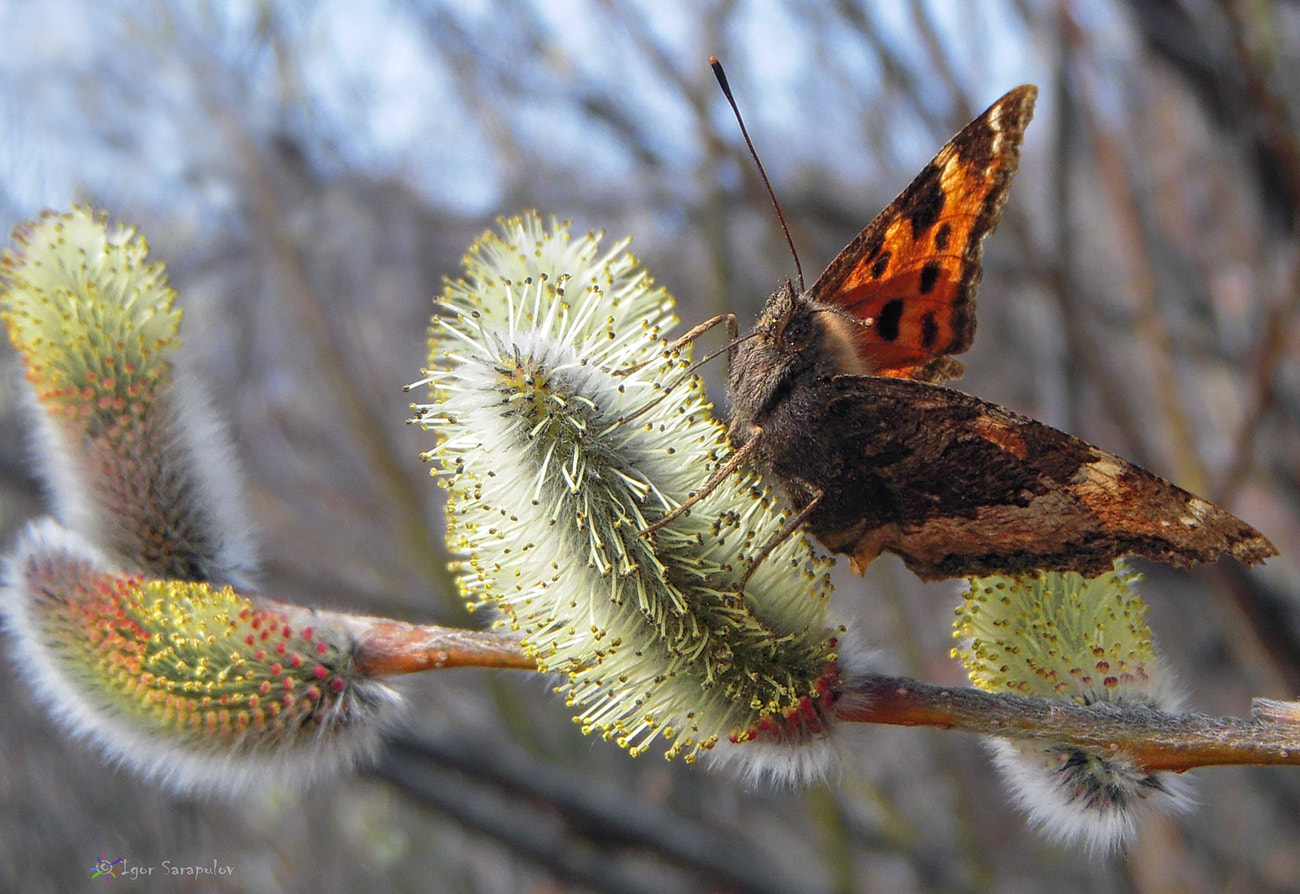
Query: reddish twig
[
  {"x": 392, "y": 647},
  {"x": 383, "y": 647}
]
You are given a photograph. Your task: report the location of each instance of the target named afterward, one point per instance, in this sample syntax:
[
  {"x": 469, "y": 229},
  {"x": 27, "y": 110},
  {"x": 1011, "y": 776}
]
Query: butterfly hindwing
[{"x": 911, "y": 275}]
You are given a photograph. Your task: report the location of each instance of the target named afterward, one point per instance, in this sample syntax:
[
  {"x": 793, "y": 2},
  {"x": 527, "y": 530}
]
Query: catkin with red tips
[{"x": 194, "y": 685}]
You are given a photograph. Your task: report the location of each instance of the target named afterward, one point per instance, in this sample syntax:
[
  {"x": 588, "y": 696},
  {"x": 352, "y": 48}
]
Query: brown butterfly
[{"x": 834, "y": 395}]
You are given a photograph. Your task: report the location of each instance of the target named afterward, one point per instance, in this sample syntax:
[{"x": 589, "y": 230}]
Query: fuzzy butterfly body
[{"x": 835, "y": 395}]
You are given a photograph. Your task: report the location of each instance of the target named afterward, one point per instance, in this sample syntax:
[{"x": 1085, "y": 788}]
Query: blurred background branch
[{"x": 310, "y": 172}]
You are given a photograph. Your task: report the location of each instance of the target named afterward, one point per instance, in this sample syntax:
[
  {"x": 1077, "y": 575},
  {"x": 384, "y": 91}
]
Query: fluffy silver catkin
[
  {"x": 193, "y": 685},
  {"x": 119, "y": 618},
  {"x": 565, "y": 428}
]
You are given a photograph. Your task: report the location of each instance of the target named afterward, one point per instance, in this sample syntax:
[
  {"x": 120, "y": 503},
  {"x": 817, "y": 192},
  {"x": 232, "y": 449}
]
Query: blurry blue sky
[{"x": 119, "y": 100}]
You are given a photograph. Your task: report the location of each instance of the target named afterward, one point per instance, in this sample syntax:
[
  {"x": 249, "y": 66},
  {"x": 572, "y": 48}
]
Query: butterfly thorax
[{"x": 795, "y": 340}]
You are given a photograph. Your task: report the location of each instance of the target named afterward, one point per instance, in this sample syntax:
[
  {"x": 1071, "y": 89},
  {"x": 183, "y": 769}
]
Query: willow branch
[
  {"x": 383, "y": 647},
  {"x": 1156, "y": 739},
  {"x": 393, "y": 647}
]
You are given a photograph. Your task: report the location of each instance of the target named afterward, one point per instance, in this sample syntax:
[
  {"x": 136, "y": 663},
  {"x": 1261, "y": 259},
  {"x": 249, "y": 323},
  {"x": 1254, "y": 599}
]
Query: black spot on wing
[
  {"x": 923, "y": 202},
  {"x": 887, "y": 322},
  {"x": 880, "y": 265},
  {"x": 941, "y": 237},
  {"x": 929, "y": 277},
  {"x": 874, "y": 242},
  {"x": 929, "y": 330}
]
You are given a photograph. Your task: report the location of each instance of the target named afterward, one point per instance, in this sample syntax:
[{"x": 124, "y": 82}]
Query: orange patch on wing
[
  {"x": 996, "y": 433},
  {"x": 911, "y": 275}
]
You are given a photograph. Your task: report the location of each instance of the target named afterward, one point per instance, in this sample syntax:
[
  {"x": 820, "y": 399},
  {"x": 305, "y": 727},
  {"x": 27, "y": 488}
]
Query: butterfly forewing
[
  {"x": 958, "y": 486},
  {"x": 910, "y": 276}
]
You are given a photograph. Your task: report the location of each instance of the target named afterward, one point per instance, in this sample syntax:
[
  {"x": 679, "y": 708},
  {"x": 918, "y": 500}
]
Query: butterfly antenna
[{"x": 726, "y": 91}]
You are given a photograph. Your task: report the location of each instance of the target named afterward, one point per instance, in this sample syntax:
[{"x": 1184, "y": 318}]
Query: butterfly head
[
  {"x": 785, "y": 321},
  {"x": 795, "y": 340}
]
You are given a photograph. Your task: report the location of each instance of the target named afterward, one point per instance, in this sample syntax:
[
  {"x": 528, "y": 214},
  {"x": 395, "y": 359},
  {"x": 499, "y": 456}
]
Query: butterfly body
[{"x": 835, "y": 395}]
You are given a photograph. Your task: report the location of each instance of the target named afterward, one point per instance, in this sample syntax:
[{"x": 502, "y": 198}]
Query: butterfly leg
[
  {"x": 731, "y": 465},
  {"x": 792, "y": 524},
  {"x": 733, "y": 333}
]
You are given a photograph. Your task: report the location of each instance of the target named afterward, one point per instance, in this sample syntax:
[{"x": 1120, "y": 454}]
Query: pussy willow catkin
[
  {"x": 1083, "y": 640},
  {"x": 185, "y": 682},
  {"x": 132, "y": 454},
  {"x": 122, "y": 616},
  {"x": 564, "y": 429}
]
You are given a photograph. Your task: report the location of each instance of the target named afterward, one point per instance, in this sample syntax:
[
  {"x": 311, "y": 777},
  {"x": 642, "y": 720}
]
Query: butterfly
[{"x": 836, "y": 395}]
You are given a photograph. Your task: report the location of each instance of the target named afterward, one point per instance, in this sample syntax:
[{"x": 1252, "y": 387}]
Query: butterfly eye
[
  {"x": 793, "y": 330},
  {"x": 779, "y": 332}
]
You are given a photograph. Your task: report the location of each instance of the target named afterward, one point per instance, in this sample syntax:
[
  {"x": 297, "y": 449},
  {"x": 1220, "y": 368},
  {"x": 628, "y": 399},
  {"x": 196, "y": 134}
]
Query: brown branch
[
  {"x": 392, "y": 647},
  {"x": 1156, "y": 739},
  {"x": 383, "y": 647}
]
